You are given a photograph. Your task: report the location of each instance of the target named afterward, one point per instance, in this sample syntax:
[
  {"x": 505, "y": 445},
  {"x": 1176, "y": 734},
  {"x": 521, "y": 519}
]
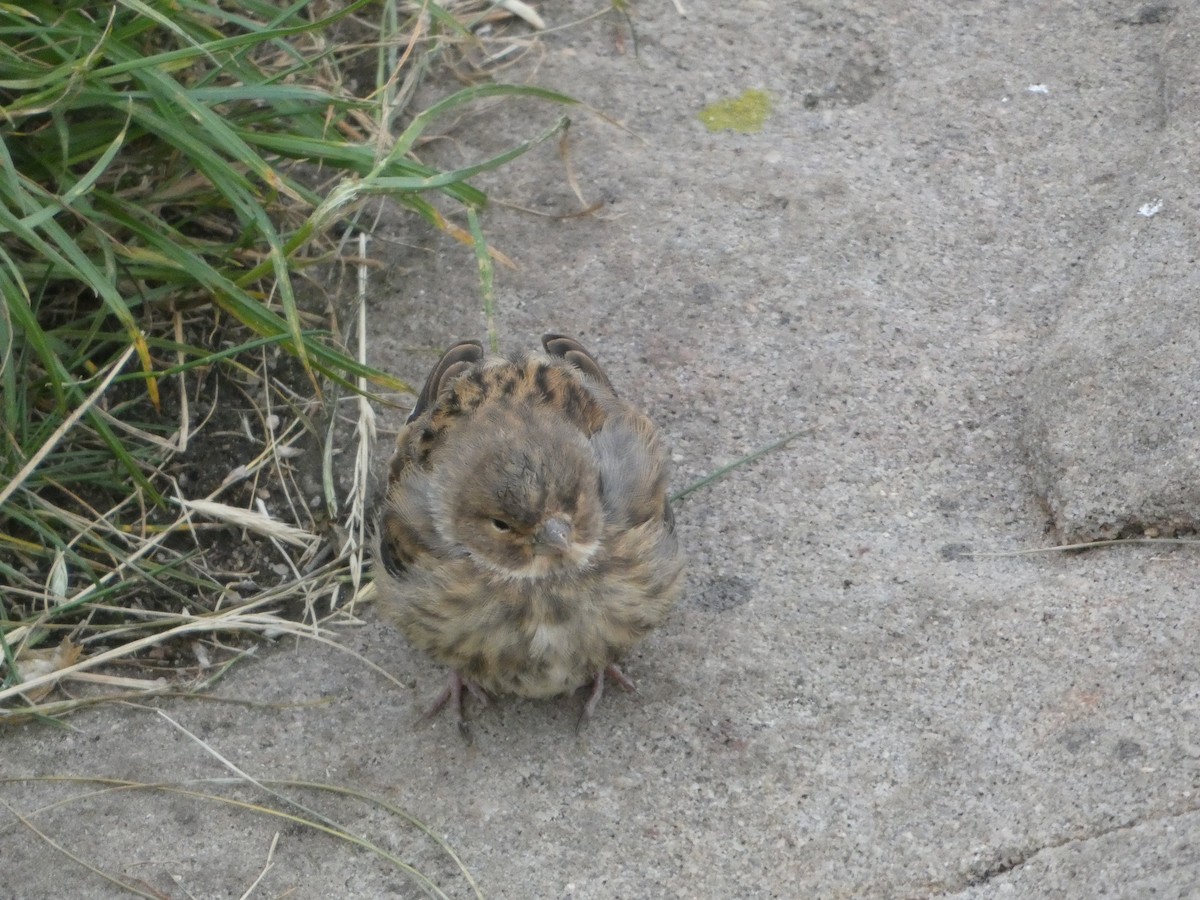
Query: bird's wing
[
  {"x": 417, "y": 436},
  {"x": 453, "y": 363},
  {"x": 407, "y": 530},
  {"x": 633, "y": 468},
  {"x": 569, "y": 350}
]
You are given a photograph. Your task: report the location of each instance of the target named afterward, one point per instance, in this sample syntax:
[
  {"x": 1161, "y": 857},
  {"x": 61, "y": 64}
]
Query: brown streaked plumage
[{"x": 526, "y": 540}]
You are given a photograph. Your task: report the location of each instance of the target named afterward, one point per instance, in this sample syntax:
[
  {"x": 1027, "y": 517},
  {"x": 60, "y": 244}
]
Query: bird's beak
[{"x": 554, "y": 536}]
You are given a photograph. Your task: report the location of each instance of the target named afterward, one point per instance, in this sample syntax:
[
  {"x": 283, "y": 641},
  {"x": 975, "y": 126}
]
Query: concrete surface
[{"x": 846, "y": 703}]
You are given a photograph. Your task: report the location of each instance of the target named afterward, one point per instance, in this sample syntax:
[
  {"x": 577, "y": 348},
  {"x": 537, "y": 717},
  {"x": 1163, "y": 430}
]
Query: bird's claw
[
  {"x": 452, "y": 695},
  {"x": 613, "y": 671}
]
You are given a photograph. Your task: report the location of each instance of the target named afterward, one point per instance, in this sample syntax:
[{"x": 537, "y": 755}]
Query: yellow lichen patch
[{"x": 745, "y": 113}]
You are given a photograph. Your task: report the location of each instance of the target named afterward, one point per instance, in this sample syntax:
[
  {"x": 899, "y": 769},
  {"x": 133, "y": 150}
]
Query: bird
[{"x": 526, "y": 538}]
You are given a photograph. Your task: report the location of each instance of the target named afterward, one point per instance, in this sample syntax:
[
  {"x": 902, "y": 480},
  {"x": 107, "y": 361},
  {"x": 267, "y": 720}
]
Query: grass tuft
[{"x": 170, "y": 172}]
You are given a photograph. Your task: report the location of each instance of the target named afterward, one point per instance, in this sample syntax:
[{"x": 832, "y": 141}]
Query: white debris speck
[
  {"x": 1038, "y": 89},
  {"x": 1153, "y": 208}
]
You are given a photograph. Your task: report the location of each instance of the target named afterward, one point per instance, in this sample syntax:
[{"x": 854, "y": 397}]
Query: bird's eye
[{"x": 501, "y": 525}]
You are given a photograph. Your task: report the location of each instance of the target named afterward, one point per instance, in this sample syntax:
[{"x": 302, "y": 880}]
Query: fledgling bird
[{"x": 526, "y": 538}]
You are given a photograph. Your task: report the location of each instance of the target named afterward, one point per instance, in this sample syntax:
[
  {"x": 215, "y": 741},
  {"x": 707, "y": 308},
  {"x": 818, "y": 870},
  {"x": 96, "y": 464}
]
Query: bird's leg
[
  {"x": 613, "y": 671},
  {"x": 452, "y": 694}
]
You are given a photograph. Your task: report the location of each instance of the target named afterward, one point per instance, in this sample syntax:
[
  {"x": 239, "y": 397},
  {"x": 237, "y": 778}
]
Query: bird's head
[{"x": 522, "y": 497}]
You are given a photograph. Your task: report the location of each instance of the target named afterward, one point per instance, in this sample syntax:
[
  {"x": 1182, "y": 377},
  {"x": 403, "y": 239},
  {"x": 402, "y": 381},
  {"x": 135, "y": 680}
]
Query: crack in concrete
[{"x": 1010, "y": 862}]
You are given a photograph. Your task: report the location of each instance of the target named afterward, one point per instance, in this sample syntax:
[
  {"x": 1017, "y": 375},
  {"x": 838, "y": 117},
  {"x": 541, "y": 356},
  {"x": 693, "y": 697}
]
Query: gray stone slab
[{"x": 1114, "y": 400}]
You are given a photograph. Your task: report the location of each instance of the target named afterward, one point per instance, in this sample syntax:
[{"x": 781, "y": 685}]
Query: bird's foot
[
  {"x": 614, "y": 672},
  {"x": 452, "y": 695}
]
